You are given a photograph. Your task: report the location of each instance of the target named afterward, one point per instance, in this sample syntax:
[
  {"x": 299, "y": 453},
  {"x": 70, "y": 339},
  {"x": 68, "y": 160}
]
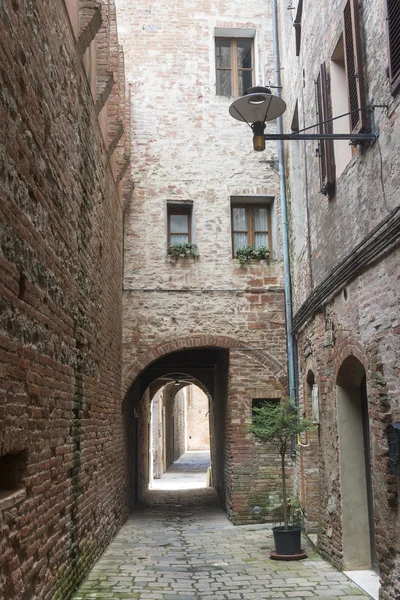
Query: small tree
[{"x": 279, "y": 424}]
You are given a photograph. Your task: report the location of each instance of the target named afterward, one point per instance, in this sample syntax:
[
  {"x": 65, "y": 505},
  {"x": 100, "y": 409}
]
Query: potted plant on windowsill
[
  {"x": 184, "y": 250},
  {"x": 248, "y": 253},
  {"x": 279, "y": 424}
]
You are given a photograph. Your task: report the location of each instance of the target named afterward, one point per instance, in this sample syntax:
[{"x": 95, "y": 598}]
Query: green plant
[
  {"x": 279, "y": 424},
  {"x": 294, "y": 512},
  {"x": 183, "y": 251},
  {"x": 247, "y": 253}
]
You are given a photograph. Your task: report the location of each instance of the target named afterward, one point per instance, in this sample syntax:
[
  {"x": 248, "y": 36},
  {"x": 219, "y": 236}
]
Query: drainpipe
[{"x": 285, "y": 232}]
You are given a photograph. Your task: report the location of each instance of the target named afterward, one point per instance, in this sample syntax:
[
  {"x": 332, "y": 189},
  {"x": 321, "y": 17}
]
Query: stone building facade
[
  {"x": 64, "y": 157},
  {"x": 344, "y": 206},
  {"x": 209, "y": 317}
]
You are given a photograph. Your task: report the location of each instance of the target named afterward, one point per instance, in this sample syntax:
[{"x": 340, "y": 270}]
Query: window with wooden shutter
[
  {"x": 353, "y": 62},
  {"x": 297, "y": 25},
  {"x": 393, "y": 26},
  {"x": 325, "y": 148}
]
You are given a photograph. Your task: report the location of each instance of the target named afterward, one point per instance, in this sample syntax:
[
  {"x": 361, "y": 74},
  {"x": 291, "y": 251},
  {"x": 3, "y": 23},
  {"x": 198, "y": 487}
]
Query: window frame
[
  {"x": 354, "y": 66},
  {"x": 297, "y": 25},
  {"x": 234, "y": 69},
  {"x": 179, "y": 210},
  {"x": 250, "y": 223},
  {"x": 325, "y": 147},
  {"x": 392, "y": 41}
]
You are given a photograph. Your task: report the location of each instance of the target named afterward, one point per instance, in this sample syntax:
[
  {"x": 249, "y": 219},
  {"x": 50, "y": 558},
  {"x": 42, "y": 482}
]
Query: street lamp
[
  {"x": 259, "y": 105},
  {"x": 256, "y": 107}
]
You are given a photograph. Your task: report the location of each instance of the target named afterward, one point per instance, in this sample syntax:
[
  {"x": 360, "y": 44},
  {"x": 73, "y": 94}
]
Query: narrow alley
[
  {"x": 199, "y": 300},
  {"x": 179, "y": 545}
]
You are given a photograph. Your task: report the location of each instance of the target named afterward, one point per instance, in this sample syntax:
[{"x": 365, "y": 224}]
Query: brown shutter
[
  {"x": 297, "y": 25},
  {"x": 325, "y": 147},
  {"x": 353, "y": 61},
  {"x": 393, "y": 25}
]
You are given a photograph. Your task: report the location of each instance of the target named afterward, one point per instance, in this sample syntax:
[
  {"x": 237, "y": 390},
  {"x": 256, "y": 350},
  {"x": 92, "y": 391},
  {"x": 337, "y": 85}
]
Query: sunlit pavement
[{"x": 188, "y": 472}]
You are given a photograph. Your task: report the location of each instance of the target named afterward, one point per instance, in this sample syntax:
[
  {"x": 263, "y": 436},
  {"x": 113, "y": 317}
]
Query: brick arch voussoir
[
  {"x": 201, "y": 341},
  {"x": 346, "y": 348}
]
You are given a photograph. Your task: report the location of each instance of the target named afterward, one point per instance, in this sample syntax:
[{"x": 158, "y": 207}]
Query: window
[
  {"x": 325, "y": 149},
  {"x": 234, "y": 64},
  {"x": 353, "y": 63},
  {"x": 297, "y": 25},
  {"x": 393, "y": 26},
  {"x": 340, "y": 106},
  {"x": 251, "y": 225},
  {"x": 179, "y": 225},
  {"x": 12, "y": 472},
  {"x": 298, "y": 207}
]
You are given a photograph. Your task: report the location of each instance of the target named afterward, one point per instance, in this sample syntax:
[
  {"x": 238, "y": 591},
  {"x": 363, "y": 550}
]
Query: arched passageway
[
  {"x": 232, "y": 379},
  {"x": 163, "y": 388},
  {"x": 180, "y": 436},
  {"x": 358, "y": 532}
]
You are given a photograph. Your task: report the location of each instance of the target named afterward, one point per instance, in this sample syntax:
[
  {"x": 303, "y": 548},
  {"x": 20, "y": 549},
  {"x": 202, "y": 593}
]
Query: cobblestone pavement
[{"x": 180, "y": 546}]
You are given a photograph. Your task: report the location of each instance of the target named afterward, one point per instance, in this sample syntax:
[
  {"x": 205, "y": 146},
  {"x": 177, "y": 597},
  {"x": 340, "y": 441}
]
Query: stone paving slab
[{"x": 188, "y": 550}]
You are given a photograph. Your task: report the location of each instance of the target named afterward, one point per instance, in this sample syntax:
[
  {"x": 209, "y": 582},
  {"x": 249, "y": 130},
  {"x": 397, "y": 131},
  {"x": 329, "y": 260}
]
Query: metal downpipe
[{"x": 285, "y": 232}]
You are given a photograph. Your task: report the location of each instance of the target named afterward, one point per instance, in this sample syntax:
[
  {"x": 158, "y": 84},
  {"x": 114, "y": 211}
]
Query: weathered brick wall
[
  {"x": 188, "y": 149},
  {"x": 198, "y": 427},
  {"x": 355, "y": 333},
  {"x": 60, "y": 323},
  {"x": 253, "y": 466},
  {"x": 363, "y": 318}
]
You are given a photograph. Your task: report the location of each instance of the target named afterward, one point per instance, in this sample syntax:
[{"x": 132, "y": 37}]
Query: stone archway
[
  {"x": 358, "y": 536},
  {"x": 147, "y": 357},
  {"x": 234, "y": 375}
]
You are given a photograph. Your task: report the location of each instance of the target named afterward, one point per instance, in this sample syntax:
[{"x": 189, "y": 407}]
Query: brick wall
[
  {"x": 60, "y": 325},
  {"x": 360, "y": 314}
]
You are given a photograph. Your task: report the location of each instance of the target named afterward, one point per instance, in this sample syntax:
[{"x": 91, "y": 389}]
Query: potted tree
[{"x": 280, "y": 423}]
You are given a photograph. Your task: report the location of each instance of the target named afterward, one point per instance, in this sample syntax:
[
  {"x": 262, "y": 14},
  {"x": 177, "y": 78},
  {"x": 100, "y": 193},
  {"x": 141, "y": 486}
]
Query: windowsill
[
  {"x": 9, "y": 498},
  {"x": 255, "y": 261},
  {"x": 182, "y": 259}
]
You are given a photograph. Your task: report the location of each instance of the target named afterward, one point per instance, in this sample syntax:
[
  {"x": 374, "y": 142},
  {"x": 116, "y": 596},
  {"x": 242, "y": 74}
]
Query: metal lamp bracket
[{"x": 354, "y": 138}]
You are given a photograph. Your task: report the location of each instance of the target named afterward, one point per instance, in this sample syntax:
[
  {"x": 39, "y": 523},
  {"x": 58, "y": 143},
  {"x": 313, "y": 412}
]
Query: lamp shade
[{"x": 257, "y": 106}]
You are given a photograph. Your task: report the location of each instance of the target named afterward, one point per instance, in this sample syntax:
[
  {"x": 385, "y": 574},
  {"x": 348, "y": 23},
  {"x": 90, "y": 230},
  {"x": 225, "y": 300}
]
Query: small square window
[
  {"x": 234, "y": 65},
  {"x": 179, "y": 225},
  {"x": 12, "y": 472},
  {"x": 251, "y": 226}
]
